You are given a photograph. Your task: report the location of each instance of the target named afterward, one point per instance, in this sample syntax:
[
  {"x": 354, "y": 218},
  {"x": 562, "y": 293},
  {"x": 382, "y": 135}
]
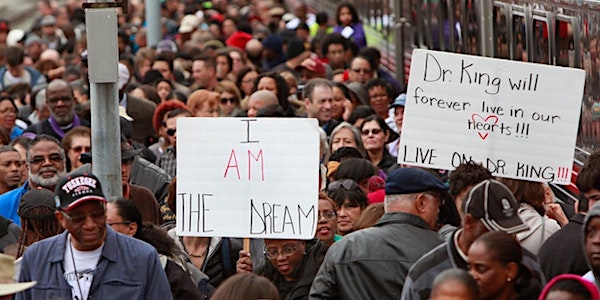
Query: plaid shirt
[{"x": 168, "y": 161}]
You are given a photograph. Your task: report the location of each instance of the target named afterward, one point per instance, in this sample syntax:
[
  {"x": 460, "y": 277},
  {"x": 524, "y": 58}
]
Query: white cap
[{"x": 123, "y": 76}]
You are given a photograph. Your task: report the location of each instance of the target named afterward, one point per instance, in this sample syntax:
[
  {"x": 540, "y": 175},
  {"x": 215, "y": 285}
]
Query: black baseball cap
[
  {"x": 37, "y": 198},
  {"x": 494, "y": 204},
  {"x": 77, "y": 188}
]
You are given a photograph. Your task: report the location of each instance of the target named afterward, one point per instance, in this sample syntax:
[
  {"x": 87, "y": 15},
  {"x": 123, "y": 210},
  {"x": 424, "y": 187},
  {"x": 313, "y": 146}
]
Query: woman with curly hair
[{"x": 273, "y": 82}]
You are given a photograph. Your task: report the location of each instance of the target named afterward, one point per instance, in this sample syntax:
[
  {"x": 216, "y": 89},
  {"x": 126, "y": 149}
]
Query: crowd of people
[{"x": 385, "y": 231}]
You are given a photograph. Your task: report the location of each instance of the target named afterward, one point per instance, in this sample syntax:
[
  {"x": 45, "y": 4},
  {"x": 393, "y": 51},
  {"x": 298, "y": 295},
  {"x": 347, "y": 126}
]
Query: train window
[
  {"x": 501, "y": 29},
  {"x": 564, "y": 44},
  {"x": 431, "y": 25},
  {"x": 471, "y": 36},
  {"x": 519, "y": 40},
  {"x": 418, "y": 16},
  {"x": 541, "y": 48}
]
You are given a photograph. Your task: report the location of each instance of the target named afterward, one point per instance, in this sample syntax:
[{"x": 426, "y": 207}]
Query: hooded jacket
[
  {"x": 590, "y": 287},
  {"x": 315, "y": 253},
  {"x": 593, "y": 212}
]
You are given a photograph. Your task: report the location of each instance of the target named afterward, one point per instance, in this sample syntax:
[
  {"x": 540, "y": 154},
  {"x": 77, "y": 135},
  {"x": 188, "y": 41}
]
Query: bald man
[
  {"x": 260, "y": 99},
  {"x": 61, "y": 103},
  {"x": 254, "y": 49}
]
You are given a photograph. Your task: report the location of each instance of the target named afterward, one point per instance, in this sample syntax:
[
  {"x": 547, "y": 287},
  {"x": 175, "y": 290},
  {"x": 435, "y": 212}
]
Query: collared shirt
[
  {"x": 168, "y": 161},
  {"x": 128, "y": 269},
  {"x": 460, "y": 252}
]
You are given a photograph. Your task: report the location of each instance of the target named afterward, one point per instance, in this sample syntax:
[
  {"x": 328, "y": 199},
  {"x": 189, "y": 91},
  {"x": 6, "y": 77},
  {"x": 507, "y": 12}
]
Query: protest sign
[
  {"x": 245, "y": 177},
  {"x": 518, "y": 119}
]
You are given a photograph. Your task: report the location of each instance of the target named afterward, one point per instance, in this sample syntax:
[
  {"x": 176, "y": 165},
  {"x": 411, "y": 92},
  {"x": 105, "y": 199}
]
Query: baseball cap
[
  {"x": 37, "y": 198},
  {"x": 123, "y": 76},
  {"x": 166, "y": 46},
  {"x": 48, "y": 20},
  {"x": 412, "y": 180},
  {"x": 400, "y": 101},
  {"x": 312, "y": 65},
  {"x": 189, "y": 23},
  {"x": 495, "y": 205},
  {"x": 77, "y": 188}
]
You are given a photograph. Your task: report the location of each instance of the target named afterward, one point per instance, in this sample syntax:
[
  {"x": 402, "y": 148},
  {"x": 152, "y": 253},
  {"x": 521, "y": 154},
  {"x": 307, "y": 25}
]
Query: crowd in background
[{"x": 385, "y": 231}]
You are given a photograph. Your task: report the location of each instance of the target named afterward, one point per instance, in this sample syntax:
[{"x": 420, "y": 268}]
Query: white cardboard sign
[
  {"x": 246, "y": 177},
  {"x": 518, "y": 119}
]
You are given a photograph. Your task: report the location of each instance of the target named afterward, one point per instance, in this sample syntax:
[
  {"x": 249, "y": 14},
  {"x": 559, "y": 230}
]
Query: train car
[{"x": 554, "y": 32}]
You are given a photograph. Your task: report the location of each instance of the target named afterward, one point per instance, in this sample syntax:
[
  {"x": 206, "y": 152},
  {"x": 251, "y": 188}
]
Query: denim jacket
[{"x": 127, "y": 269}]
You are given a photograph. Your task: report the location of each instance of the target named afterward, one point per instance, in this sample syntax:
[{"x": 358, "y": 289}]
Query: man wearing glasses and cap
[
  {"x": 489, "y": 206},
  {"x": 382, "y": 255},
  {"x": 90, "y": 260}
]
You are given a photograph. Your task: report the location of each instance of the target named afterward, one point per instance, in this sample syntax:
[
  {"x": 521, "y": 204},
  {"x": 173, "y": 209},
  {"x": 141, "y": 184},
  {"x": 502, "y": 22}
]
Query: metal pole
[
  {"x": 486, "y": 38},
  {"x": 101, "y": 27},
  {"x": 153, "y": 26},
  {"x": 399, "y": 38}
]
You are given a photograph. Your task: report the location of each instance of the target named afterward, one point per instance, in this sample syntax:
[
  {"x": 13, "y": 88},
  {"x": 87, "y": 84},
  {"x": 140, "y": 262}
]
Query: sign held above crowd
[
  {"x": 518, "y": 119},
  {"x": 246, "y": 177}
]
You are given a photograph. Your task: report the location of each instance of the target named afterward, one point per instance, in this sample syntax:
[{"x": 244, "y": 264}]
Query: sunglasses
[
  {"x": 171, "y": 132},
  {"x": 95, "y": 215},
  {"x": 80, "y": 149},
  {"x": 225, "y": 100},
  {"x": 347, "y": 184},
  {"x": 374, "y": 131}
]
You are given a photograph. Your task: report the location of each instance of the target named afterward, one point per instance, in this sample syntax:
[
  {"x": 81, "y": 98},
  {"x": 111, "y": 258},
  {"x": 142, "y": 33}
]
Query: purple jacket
[{"x": 358, "y": 37}]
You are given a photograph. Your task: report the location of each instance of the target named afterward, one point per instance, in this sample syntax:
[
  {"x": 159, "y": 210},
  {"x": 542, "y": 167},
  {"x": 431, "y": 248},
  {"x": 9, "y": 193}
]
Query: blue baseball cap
[
  {"x": 400, "y": 101},
  {"x": 413, "y": 180}
]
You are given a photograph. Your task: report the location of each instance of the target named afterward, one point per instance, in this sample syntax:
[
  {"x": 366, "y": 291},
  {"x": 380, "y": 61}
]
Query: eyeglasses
[
  {"x": 122, "y": 222},
  {"x": 53, "y": 101},
  {"x": 328, "y": 215},
  {"x": 53, "y": 158},
  {"x": 225, "y": 100},
  {"x": 361, "y": 70},
  {"x": 171, "y": 132},
  {"x": 347, "y": 184},
  {"x": 95, "y": 215},
  {"x": 80, "y": 149},
  {"x": 286, "y": 251},
  {"x": 374, "y": 131}
]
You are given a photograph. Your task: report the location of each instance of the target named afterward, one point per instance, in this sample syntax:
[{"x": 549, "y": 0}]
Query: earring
[{"x": 509, "y": 279}]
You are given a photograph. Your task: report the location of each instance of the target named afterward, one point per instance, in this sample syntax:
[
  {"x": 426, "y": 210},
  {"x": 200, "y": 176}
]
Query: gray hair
[
  {"x": 40, "y": 100},
  {"x": 355, "y": 134},
  {"x": 391, "y": 199},
  {"x": 459, "y": 276},
  {"x": 44, "y": 137},
  {"x": 324, "y": 148}
]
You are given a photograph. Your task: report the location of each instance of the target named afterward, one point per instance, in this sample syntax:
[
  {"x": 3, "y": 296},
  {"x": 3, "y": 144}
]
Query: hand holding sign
[{"x": 247, "y": 177}]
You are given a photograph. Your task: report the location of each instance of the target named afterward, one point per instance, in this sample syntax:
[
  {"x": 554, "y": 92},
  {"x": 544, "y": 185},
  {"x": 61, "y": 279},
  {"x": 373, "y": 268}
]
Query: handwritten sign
[
  {"x": 241, "y": 177},
  {"x": 518, "y": 119}
]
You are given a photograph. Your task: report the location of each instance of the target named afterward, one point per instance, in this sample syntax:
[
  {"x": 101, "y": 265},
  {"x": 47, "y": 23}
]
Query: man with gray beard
[{"x": 46, "y": 165}]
